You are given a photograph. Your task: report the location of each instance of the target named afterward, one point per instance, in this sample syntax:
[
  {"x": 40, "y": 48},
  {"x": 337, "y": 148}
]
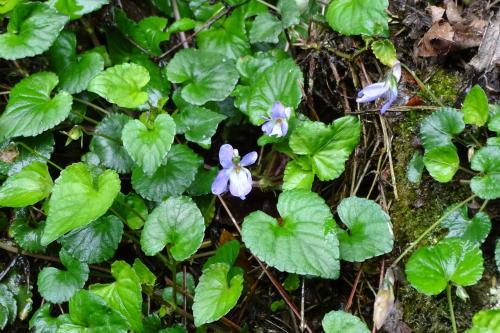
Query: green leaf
[
  {"x": 487, "y": 161},
  {"x": 206, "y": 75},
  {"x": 343, "y": 322},
  {"x": 430, "y": 269},
  {"x": 32, "y": 29},
  {"x": 230, "y": 40},
  {"x": 95, "y": 243},
  {"x": 176, "y": 222},
  {"x": 290, "y": 12},
  {"x": 252, "y": 66},
  {"x": 32, "y": 184},
  {"x": 132, "y": 209},
  {"x": 122, "y": 85},
  {"x": 145, "y": 275},
  {"x": 107, "y": 143},
  {"x": 296, "y": 177},
  {"x": 494, "y": 118},
  {"x": 266, "y": 28},
  {"x": 172, "y": 178},
  {"x": 297, "y": 241},
  {"x": 75, "y": 72},
  {"x": 58, "y": 286},
  {"x": 385, "y": 52},
  {"x": 415, "y": 168},
  {"x": 328, "y": 146},
  {"x": 442, "y": 162},
  {"x": 27, "y": 236},
  {"x": 149, "y": 144},
  {"x": 226, "y": 254},
  {"x": 77, "y": 8},
  {"x": 278, "y": 83},
  {"x": 42, "y": 321},
  {"x": 215, "y": 294},
  {"x": 183, "y": 24},
  {"x": 8, "y": 306},
  {"x": 369, "y": 232},
  {"x": 474, "y": 230},
  {"x": 90, "y": 313},
  {"x": 359, "y": 17},
  {"x": 198, "y": 124},
  {"x": 31, "y": 110},
  {"x": 148, "y": 33},
  {"x": 475, "y": 107},
  {"x": 158, "y": 87},
  {"x": 7, "y": 5},
  {"x": 202, "y": 183},
  {"x": 485, "y": 321},
  {"x": 123, "y": 295},
  {"x": 438, "y": 129},
  {"x": 79, "y": 197}
]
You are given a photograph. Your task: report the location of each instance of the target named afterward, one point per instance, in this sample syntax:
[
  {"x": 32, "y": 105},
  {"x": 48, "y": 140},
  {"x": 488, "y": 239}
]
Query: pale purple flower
[
  {"x": 278, "y": 123},
  {"x": 387, "y": 89},
  {"x": 234, "y": 172}
]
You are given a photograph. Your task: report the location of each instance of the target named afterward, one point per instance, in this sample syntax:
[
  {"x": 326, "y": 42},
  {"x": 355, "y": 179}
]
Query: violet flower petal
[
  {"x": 219, "y": 185},
  {"x": 240, "y": 183},
  {"x": 249, "y": 159},
  {"x": 392, "y": 95},
  {"x": 267, "y": 127},
  {"x": 226, "y": 156},
  {"x": 372, "y": 92},
  {"x": 278, "y": 111},
  {"x": 284, "y": 127}
]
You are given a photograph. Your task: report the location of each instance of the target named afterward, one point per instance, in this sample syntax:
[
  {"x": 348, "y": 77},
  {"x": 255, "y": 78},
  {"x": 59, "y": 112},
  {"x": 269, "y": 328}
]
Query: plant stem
[
  {"x": 92, "y": 105},
  {"x": 450, "y": 305},
  {"x": 432, "y": 227},
  {"x": 267, "y": 4},
  {"x": 28, "y": 148}
]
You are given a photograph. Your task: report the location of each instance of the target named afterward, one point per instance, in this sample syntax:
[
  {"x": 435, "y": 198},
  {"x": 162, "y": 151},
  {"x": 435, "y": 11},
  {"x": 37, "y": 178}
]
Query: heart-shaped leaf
[
  {"x": 32, "y": 29},
  {"x": 438, "y": 129},
  {"x": 474, "y": 230},
  {"x": 77, "y": 8},
  {"x": 343, "y": 322},
  {"x": 148, "y": 145},
  {"x": 385, "y": 52},
  {"x": 173, "y": 177},
  {"x": 123, "y": 295},
  {"x": 359, "y": 17},
  {"x": 430, "y": 269},
  {"x": 227, "y": 253},
  {"x": 215, "y": 294},
  {"x": 266, "y": 28},
  {"x": 442, "y": 162},
  {"x": 31, "y": 110},
  {"x": 177, "y": 222},
  {"x": 32, "y": 184},
  {"x": 207, "y": 76},
  {"x": 42, "y": 320},
  {"x": 28, "y": 237},
  {"x": 80, "y": 196},
  {"x": 96, "y": 242},
  {"x": 296, "y": 177},
  {"x": 485, "y": 321},
  {"x": 107, "y": 143},
  {"x": 369, "y": 231},
  {"x": 122, "y": 85},
  {"x": 198, "y": 124},
  {"x": 297, "y": 241},
  {"x": 278, "y": 83},
  {"x": 57, "y": 286},
  {"x": 475, "y": 107},
  {"x": 487, "y": 161}
]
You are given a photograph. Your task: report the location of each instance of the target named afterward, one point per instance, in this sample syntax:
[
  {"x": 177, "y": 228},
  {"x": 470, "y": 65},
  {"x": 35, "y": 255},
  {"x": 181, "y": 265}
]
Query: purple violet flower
[
  {"x": 234, "y": 172},
  {"x": 278, "y": 123},
  {"x": 387, "y": 89}
]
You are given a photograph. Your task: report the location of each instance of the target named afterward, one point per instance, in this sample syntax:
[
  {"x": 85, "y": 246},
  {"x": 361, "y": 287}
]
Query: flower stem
[
  {"x": 450, "y": 306},
  {"x": 92, "y": 105}
]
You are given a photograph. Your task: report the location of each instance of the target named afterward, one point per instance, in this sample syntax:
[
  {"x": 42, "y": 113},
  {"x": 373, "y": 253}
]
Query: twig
[
  {"x": 177, "y": 16},
  {"x": 92, "y": 105},
  {"x": 353, "y": 291}
]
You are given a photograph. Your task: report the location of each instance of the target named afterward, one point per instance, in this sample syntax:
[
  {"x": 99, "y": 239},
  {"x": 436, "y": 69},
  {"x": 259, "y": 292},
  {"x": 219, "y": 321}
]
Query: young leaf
[
  {"x": 148, "y": 145},
  {"x": 172, "y": 178},
  {"x": 438, "y": 129},
  {"x": 385, "y": 52},
  {"x": 123, "y": 295},
  {"x": 28, "y": 237},
  {"x": 198, "y": 124},
  {"x": 107, "y": 143},
  {"x": 474, "y": 230},
  {"x": 122, "y": 85},
  {"x": 207, "y": 76},
  {"x": 32, "y": 28},
  {"x": 96, "y": 242},
  {"x": 430, "y": 269},
  {"x": 79, "y": 197},
  {"x": 252, "y": 66},
  {"x": 31, "y": 110},
  {"x": 226, "y": 253},
  {"x": 203, "y": 181},
  {"x": 266, "y": 28},
  {"x": 475, "y": 107},
  {"x": 485, "y": 321},
  {"x": 487, "y": 161},
  {"x": 5, "y": 7},
  {"x": 359, "y": 17},
  {"x": 369, "y": 232},
  {"x": 58, "y": 286},
  {"x": 278, "y": 83},
  {"x": 290, "y": 12},
  {"x": 296, "y": 242},
  {"x": 89, "y": 312},
  {"x": 415, "y": 168},
  {"x": 132, "y": 208},
  {"x": 442, "y": 162},
  {"x": 296, "y": 177},
  {"x": 343, "y": 322},
  {"x": 32, "y": 184},
  {"x": 176, "y": 222},
  {"x": 145, "y": 275},
  {"x": 77, "y": 8},
  {"x": 215, "y": 294},
  {"x": 328, "y": 146}
]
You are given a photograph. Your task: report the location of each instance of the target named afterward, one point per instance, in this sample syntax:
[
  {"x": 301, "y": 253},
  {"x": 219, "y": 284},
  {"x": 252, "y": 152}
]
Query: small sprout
[
  {"x": 462, "y": 293},
  {"x": 74, "y": 134},
  {"x": 277, "y": 124}
]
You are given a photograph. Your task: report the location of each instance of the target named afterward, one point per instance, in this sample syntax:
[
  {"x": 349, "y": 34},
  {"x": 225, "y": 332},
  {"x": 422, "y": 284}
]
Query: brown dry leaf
[
  {"x": 436, "y": 13},
  {"x": 453, "y": 13},
  {"x": 384, "y": 301},
  {"x": 438, "y": 40},
  {"x": 9, "y": 155},
  {"x": 468, "y": 35}
]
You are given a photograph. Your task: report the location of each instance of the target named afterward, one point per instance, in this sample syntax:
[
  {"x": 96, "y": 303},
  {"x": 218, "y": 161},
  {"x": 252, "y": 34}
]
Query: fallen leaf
[
  {"x": 437, "y": 40},
  {"x": 453, "y": 13},
  {"x": 436, "y": 13}
]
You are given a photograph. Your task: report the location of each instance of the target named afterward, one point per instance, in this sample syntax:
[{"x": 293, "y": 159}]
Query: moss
[{"x": 445, "y": 86}]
